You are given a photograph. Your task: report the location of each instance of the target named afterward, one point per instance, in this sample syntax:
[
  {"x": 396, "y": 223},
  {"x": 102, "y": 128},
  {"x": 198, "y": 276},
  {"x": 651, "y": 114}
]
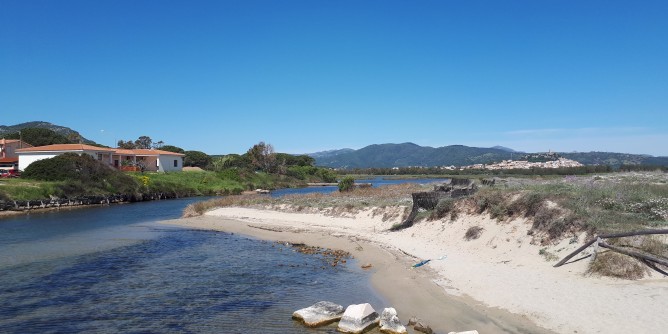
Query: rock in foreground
[
  {"x": 319, "y": 314},
  {"x": 424, "y": 328},
  {"x": 389, "y": 322},
  {"x": 467, "y": 332},
  {"x": 358, "y": 318}
]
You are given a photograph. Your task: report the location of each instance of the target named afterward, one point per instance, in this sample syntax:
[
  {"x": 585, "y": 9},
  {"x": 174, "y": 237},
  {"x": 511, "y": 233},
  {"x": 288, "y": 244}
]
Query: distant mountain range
[
  {"x": 62, "y": 130},
  {"x": 412, "y": 155},
  {"x": 409, "y": 154}
]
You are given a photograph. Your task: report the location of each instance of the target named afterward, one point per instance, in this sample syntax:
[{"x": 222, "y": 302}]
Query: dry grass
[
  {"x": 335, "y": 204},
  {"x": 617, "y": 265},
  {"x": 474, "y": 232},
  {"x": 609, "y": 263}
]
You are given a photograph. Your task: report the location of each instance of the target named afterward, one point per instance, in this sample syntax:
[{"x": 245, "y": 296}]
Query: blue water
[
  {"x": 376, "y": 182},
  {"x": 114, "y": 269}
]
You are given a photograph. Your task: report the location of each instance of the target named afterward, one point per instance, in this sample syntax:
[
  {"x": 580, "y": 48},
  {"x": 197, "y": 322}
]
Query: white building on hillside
[{"x": 123, "y": 159}]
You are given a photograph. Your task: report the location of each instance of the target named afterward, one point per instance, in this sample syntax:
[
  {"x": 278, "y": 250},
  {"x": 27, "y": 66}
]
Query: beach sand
[{"x": 496, "y": 283}]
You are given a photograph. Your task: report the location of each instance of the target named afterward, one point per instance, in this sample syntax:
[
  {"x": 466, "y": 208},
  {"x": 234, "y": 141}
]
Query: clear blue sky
[{"x": 305, "y": 76}]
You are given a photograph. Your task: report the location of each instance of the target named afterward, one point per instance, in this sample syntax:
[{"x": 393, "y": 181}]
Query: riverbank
[{"x": 500, "y": 282}]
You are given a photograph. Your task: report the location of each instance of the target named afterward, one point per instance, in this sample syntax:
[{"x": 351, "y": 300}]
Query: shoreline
[
  {"x": 503, "y": 281},
  {"x": 413, "y": 292}
]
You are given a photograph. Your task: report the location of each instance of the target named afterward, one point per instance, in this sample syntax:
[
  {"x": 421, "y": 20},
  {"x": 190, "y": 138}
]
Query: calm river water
[{"x": 114, "y": 269}]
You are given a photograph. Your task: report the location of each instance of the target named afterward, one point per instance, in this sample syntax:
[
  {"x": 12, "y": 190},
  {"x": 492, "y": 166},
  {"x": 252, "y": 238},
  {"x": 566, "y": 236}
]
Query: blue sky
[{"x": 305, "y": 76}]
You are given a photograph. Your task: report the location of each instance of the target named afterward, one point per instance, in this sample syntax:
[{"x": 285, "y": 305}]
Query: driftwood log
[
  {"x": 607, "y": 236},
  {"x": 634, "y": 253},
  {"x": 650, "y": 260}
]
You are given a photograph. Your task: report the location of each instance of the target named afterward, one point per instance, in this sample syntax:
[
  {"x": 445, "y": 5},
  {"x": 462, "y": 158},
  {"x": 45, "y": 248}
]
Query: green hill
[
  {"x": 412, "y": 155},
  {"x": 409, "y": 154},
  {"x": 71, "y": 135}
]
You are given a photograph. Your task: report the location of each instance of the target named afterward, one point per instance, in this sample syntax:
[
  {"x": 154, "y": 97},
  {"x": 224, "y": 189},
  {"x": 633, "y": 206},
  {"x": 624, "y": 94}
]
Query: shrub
[
  {"x": 347, "y": 184},
  {"x": 82, "y": 173},
  {"x": 617, "y": 265},
  {"x": 196, "y": 159},
  {"x": 327, "y": 175},
  {"x": 473, "y": 233},
  {"x": 549, "y": 256},
  {"x": 230, "y": 174},
  {"x": 492, "y": 200},
  {"x": 613, "y": 264},
  {"x": 529, "y": 203},
  {"x": 444, "y": 207}
]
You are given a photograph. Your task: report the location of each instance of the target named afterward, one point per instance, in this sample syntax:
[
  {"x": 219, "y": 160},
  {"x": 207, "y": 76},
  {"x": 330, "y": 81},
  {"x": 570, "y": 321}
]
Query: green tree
[
  {"x": 172, "y": 148},
  {"x": 128, "y": 145},
  {"x": 144, "y": 142},
  {"x": 347, "y": 184},
  {"x": 294, "y": 160},
  {"x": 262, "y": 157},
  {"x": 196, "y": 159},
  {"x": 39, "y": 137}
]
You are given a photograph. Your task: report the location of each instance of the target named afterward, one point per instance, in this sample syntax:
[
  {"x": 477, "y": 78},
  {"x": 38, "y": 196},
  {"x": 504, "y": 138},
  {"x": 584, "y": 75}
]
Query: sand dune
[{"x": 497, "y": 283}]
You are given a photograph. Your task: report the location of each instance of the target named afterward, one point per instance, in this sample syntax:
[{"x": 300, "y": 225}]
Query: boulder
[
  {"x": 420, "y": 327},
  {"x": 467, "y": 332},
  {"x": 319, "y": 314},
  {"x": 389, "y": 322},
  {"x": 358, "y": 318}
]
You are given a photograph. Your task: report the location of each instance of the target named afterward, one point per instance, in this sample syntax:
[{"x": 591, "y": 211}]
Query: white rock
[
  {"x": 390, "y": 323},
  {"x": 319, "y": 314},
  {"x": 358, "y": 318},
  {"x": 467, "y": 332}
]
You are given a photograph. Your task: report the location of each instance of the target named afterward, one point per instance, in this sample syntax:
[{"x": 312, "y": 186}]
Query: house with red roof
[
  {"x": 9, "y": 160},
  {"x": 123, "y": 159}
]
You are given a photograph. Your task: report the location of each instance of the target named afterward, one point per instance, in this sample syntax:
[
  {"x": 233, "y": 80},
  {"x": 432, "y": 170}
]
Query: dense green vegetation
[
  {"x": 615, "y": 159},
  {"x": 80, "y": 175},
  {"x": 39, "y": 137},
  {"x": 70, "y": 175},
  {"x": 347, "y": 184},
  {"x": 31, "y": 134}
]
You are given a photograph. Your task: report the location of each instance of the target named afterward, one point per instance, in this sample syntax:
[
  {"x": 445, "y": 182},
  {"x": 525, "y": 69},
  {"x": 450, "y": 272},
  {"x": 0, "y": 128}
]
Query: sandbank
[{"x": 497, "y": 283}]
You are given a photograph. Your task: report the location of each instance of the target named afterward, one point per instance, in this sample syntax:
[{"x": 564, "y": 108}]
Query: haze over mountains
[{"x": 412, "y": 155}]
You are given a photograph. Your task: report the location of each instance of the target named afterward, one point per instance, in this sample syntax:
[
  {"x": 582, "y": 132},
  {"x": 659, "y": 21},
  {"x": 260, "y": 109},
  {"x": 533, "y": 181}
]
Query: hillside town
[
  {"x": 523, "y": 164},
  {"x": 529, "y": 161}
]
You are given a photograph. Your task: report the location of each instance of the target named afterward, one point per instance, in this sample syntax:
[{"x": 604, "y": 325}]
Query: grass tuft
[{"x": 474, "y": 232}]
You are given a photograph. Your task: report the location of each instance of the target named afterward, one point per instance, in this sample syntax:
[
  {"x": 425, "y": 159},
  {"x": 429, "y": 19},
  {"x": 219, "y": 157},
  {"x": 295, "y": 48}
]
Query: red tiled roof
[
  {"x": 65, "y": 147},
  {"x": 84, "y": 147},
  {"x": 147, "y": 152},
  {"x": 8, "y": 160},
  {"x": 11, "y": 141}
]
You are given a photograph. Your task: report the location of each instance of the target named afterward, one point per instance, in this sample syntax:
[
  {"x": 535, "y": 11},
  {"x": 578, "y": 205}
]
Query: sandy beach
[{"x": 500, "y": 282}]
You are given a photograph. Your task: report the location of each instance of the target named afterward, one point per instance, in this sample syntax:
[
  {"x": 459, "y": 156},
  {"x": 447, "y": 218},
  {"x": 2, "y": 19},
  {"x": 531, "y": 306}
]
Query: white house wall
[
  {"x": 166, "y": 163},
  {"x": 25, "y": 159},
  {"x": 162, "y": 163}
]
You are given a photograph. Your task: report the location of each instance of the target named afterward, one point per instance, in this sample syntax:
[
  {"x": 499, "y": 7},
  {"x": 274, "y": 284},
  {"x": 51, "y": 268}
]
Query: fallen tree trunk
[
  {"x": 654, "y": 267},
  {"x": 635, "y": 254},
  {"x": 607, "y": 236}
]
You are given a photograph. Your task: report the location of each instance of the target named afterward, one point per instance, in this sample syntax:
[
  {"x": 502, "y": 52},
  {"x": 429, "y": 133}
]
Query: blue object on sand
[{"x": 421, "y": 263}]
